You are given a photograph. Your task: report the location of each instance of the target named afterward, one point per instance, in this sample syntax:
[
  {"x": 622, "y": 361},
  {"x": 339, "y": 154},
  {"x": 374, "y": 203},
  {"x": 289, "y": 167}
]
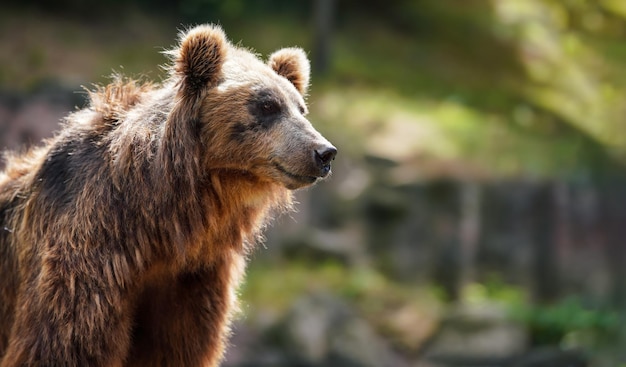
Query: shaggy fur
[{"x": 124, "y": 237}]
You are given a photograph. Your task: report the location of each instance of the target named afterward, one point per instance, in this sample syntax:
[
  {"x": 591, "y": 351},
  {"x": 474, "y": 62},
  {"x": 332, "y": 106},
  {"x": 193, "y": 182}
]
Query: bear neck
[{"x": 223, "y": 212}]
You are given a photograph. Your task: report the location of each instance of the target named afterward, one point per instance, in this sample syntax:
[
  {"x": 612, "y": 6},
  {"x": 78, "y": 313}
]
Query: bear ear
[
  {"x": 292, "y": 64},
  {"x": 200, "y": 56}
]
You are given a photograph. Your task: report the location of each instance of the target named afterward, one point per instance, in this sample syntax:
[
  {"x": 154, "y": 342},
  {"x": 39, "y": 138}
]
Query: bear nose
[{"x": 323, "y": 157}]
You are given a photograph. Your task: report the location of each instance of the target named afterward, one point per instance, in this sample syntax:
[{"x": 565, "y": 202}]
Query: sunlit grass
[{"x": 397, "y": 127}]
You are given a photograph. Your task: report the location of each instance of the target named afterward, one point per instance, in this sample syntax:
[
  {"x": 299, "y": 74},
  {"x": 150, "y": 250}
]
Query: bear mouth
[{"x": 302, "y": 179}]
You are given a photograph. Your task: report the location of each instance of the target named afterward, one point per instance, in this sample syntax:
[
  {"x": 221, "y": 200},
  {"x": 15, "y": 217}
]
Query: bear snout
[{"x": 323, "y": 156}]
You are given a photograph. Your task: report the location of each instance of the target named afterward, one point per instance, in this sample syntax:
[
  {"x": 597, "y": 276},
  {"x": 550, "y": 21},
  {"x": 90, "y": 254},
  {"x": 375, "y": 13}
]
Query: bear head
[{"x": 250, "y": 115}]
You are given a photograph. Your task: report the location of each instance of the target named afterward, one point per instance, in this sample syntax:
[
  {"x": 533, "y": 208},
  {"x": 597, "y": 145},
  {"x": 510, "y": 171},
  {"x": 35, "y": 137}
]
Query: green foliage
[
  {"x": 296, "y": 278},
  {"x": 570, "y": 323},
  {"x": 494, "y": 290}
]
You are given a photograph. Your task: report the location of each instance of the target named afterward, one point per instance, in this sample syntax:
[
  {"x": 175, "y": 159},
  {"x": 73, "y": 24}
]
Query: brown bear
[{"x": 124, "y": 237}]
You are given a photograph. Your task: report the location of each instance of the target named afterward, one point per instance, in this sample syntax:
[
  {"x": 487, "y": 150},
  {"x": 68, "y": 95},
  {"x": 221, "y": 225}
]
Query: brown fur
[{"x": 124, "y": 237}]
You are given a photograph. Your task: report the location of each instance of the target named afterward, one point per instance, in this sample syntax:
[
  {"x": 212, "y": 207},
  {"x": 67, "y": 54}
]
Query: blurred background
[{"x": 476, "y": 215}]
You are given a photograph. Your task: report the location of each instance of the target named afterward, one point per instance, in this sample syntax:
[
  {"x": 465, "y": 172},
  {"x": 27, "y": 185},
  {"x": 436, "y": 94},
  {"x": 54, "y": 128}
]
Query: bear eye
[
  {"x": 266, "y": 107},
  {"x": 269, "y": 107}
]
